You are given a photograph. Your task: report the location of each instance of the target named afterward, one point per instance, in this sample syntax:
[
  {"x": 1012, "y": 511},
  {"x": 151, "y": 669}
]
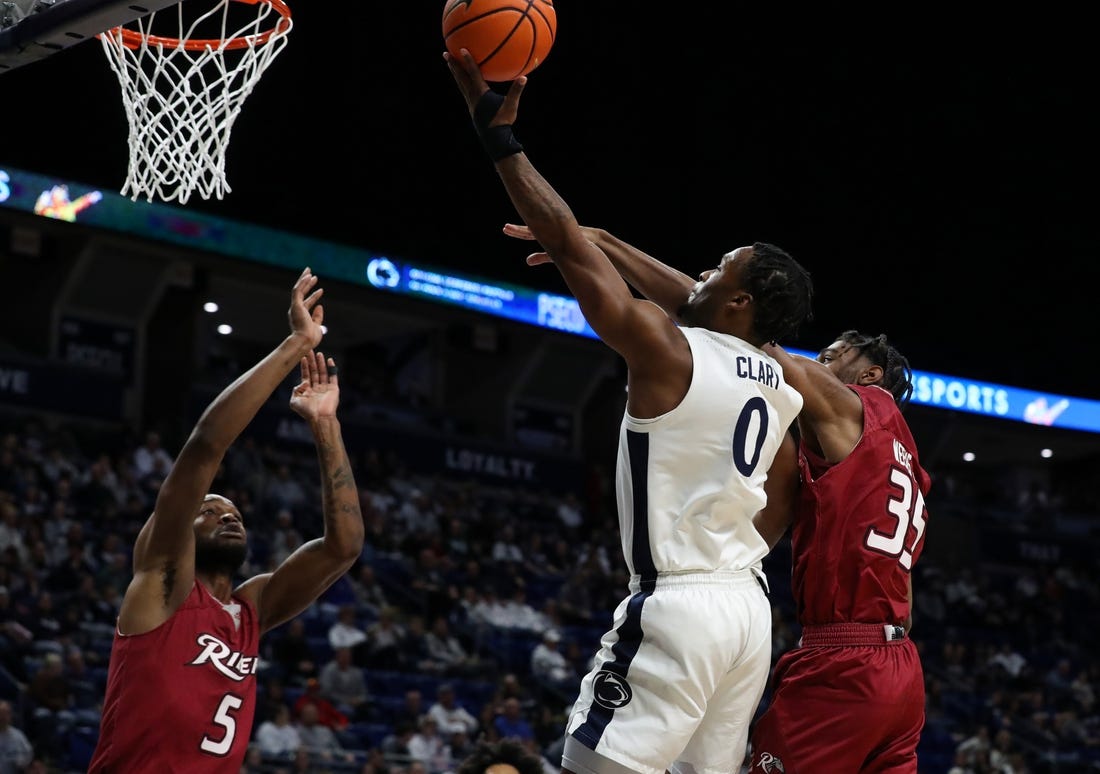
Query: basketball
[{"x": 507, "y": 38}]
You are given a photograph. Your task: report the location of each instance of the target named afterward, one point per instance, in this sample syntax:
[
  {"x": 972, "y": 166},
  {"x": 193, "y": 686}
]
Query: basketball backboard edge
[{"x": 54, "y": 25}]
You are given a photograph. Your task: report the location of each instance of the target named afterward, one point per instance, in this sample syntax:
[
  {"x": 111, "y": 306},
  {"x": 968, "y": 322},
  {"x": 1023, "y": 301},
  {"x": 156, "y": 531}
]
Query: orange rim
[{"x": 135, "y": 40}]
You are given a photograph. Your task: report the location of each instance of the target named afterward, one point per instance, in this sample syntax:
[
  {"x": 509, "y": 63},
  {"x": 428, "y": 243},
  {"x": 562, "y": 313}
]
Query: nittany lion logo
[
  {"x": 769, "y": 763},
  {"x": 611, "y": 690}
]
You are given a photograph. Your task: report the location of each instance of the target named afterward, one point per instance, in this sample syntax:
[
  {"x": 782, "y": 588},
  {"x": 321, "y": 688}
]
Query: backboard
[{"x": 34, "y": 29}]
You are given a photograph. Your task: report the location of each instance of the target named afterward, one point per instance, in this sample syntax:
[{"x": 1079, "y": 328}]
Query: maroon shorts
[{"x": 847, "y": 699}]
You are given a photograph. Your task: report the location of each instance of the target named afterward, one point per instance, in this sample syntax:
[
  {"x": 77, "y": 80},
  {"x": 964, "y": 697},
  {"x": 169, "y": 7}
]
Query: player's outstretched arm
[
  {"x": 665, "y": 286},
  {"x": 316, "y": 565},
  {"x": 637, "y": 330},
  {"x": 832, "y": 415},
  {"x": 164, "y": 553}
]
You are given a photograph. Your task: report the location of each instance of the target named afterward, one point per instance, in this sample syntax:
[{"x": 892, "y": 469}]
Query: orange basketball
[{"x": 507, "y": 38}]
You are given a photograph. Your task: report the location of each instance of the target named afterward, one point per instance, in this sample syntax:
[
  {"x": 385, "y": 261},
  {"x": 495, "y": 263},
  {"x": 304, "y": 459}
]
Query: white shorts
[{"x": 677, "y": 680}]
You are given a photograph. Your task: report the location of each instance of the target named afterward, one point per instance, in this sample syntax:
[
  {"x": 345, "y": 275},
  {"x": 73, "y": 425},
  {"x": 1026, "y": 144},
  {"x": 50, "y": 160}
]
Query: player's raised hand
[
  {"x": 318, "y": 394},
  {"x": 472, "y": 85},
  {"x": 306, "y": 313},
  {"x": 519, "y": 231},
  {"x": 522, "y": 232}
]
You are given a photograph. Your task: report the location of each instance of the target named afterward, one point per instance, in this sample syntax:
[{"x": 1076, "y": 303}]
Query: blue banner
[{"x": 63, "y": 200}]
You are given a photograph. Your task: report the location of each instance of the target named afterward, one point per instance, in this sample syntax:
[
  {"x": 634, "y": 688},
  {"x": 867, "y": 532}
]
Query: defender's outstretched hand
[
  {"x": 318, "y": 394},
  {"x": 523, "y": 232},
  {"x": 519, "y": 231},
  {"x": 472, "y": 85},
  {"x": 306, "y": 314}
]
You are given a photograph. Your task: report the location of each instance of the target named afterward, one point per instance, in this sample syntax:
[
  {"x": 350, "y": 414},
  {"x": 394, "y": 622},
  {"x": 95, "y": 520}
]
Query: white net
[{"x": 184, "y": 80}]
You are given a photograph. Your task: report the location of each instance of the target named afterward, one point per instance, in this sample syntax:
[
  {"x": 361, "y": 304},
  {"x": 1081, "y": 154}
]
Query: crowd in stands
[{"x": 472, "y": 615}]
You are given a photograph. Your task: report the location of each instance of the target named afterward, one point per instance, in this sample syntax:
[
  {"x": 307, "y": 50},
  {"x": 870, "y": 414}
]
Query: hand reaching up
[
  {"x": 318, "y": 394},
  {"x": 306, "y": 313}
]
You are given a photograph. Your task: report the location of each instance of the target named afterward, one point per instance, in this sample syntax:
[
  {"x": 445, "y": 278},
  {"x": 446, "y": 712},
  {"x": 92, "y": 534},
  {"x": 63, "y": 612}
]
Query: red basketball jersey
[
  {"x": 859, "y": 528},
  {"x": 181, "y": 698}
]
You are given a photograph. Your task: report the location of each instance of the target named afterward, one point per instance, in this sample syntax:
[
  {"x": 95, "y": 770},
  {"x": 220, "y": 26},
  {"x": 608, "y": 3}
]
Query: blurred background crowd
[{"x": 476, "y": 607}]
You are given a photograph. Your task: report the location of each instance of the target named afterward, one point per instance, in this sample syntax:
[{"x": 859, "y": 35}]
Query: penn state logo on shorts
[{"x": 611, "y": 690}]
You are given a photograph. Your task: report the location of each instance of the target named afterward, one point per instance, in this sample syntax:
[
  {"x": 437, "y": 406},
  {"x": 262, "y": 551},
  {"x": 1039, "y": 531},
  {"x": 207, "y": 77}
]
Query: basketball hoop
[{"x": 183, "y": 84}]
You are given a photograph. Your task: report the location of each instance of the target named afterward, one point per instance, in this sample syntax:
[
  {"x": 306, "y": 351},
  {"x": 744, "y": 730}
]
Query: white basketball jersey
[{"x": 689, "y": 481}]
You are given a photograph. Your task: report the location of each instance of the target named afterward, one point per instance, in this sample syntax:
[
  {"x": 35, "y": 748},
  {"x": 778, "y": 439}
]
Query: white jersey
[{"x": 689, "y": 481}]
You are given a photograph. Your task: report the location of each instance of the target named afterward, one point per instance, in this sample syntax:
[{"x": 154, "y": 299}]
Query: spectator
[
  {"x": 385, "y": 637},
  {"x": 11, "y": 533},
  {"x": 285, "y": 538},
  {"x": 245, "y": 465},
  {"x": 450, "y": 716},
  {"x": 457, "y": 539},
  {"x": 66, "y": 575},
  {"x": 15, "y": 749},
  {"x": 1002, "y": 753},
  {"x": 345, "y": 633},
  {"x": 415, "y": 654},
  {"x": 411, "y": 709},
  {"x": 1084, "y": 691},
  {"x": 429, "y": 747},
  {"x": 304, "y": 763},
  {"x": 55, "y": 531},
  {"x": 429, "y": 584},
  {"x": 327, "y": 713},
  {"x": 96, "y": 490},
  {"x": 284, "y": 491},
  {"x": 505, "y": 548},
  {"x": 15, "y": 638},
  {"x": 417, "y": 514},
  {"x": 277, "y": 737},
  {"x": 344, "y": 684},
  {"x": 105, "y": 602},
  {"x": 1059, "y": 681},
  {"x": 151, "y": 457},
  {"x": 1009, "y": 659},
  {"x": 53, "y": 700},
  {"x": 518, "y": 613},
  {"x": 56, "y": 465},
  {"x": 375, "y": 762},
  {"x": 569, "y": 514},
  {"x": 370, "y": 597},
  {"x": 395, "y": 746},
  {"x": 253, "y": 761},
  {"x": 461, "y": 745},
  {"x": 551, "y": 669},
  {"x": 270, "y": 695},
  {"x": 87, "y": 692},
  {"x": 511, "y": 724},
  {"x": 485, "y": 610},
  {"x": 46, "y": 623},
  {"x": 447, "y": 650},
  {"x": 97, "y": 615},
  {"x": 961, "y": 764},
  {"x": 510, "y": 687},
  {"x": 114, "y": 572},
  {"x": 292, "y": 653},
  {"x": 975, "y": 749},
  {"x": 318, "y": 739},
  {"x": 33, "y": 502}
]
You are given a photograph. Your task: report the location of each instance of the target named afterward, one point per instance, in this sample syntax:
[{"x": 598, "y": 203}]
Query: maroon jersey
[
  {"x": 181, "y": 698},
  {"x": 852, "y": 697},
  {"x": 859, "y": 525}
]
